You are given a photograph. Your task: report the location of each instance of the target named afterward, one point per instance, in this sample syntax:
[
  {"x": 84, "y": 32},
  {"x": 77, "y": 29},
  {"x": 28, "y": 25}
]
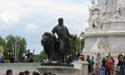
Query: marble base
[
  {"x": 57, "y": 64},
  {"x": 84, "y": 70},
  {"x": 59, "y": 70}
]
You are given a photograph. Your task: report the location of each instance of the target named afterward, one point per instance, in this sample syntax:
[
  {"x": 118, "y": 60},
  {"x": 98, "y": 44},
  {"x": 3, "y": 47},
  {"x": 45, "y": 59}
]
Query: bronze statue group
[{"x": 57, "y": 47}]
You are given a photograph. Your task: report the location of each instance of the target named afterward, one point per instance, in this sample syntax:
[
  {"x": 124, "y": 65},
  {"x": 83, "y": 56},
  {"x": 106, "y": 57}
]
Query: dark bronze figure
[
  {"x": 64, "y": 39},
  {"x": 50, "y": 45},
  {"x": 57, "y": 48}
]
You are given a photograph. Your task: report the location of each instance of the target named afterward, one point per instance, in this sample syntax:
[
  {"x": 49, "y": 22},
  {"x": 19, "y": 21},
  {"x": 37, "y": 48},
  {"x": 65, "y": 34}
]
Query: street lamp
[{"x": 10, "y": 53}]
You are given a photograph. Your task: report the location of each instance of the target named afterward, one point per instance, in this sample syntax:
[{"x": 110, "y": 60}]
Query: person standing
[
  {"x": 121, "y": 64},
  {"x": 92, "y": 63},
  {"x": 103, "y": 62},
  {"x": 98, "y": 59},
  {"x": 110, "y": 65},
  {"x": 89, "y": 66}
]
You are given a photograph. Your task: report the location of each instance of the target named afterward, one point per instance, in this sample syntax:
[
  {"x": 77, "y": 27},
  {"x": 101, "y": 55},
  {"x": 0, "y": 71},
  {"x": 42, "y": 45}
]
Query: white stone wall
[
  {"x": 89, "y": 42},
  {"x": 117, "y": 43},
  {"x": 113, "y": 43}
]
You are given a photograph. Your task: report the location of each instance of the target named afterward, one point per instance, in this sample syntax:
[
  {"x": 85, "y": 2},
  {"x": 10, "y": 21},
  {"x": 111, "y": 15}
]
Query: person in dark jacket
[
  {"x": 89, "y": 65},
  {"x": 92, "y": 63},
  {"x": 103, "y": 62}
]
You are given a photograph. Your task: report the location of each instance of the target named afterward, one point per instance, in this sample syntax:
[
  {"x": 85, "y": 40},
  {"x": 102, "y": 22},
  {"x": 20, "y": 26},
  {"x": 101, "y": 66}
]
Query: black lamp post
[{"x": 10, "y": 54}]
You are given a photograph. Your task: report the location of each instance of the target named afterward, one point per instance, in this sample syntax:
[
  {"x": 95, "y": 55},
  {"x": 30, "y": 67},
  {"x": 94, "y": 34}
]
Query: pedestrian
[
  {"x": 82, "y": 58},
  {"x": 9, "y": 72},
  {"x": 120, "y": 60},
  {"x": 26, "y": 72},
  {"x": 103, "y": 62},
  {"x": 89, "y": 66},
  {"x": 98, "y": 59},
  {"x": 121, "y": 64},
  {"x": 35, "y": 73},
  {"x": 124, "y": 60},
  {"x": 21, "y": 73},
  {"x": 110, "y": 66},
  {"x": 96, "y": 68},
  {"x": 92, "y": 63}
]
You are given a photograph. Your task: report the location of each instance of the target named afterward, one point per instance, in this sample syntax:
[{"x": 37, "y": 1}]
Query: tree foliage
[
  {"x": 14, "y": 44},
  {"x": 40, "y": 57},
  {"x": 76, "y": 45},
  {"x": 3, "y": 43}
]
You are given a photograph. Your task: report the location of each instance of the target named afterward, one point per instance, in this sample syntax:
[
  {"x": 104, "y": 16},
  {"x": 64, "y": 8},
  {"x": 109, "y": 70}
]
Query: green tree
[
  {"x": 40, "y": 57},
  {"x": 82, "y": 43},
  {"x": 76, "y": 44},
  {"x": 2, "y": 43},
  {"x": 43, "y": 55},
  {"x": 16, "y": 45}
]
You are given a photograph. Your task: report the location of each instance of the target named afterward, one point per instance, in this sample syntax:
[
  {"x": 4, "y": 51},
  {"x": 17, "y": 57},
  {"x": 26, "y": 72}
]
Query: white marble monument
[{"x": 106, "y": 31}]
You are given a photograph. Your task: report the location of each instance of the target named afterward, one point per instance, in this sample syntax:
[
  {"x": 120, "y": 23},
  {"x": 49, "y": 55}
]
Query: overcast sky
[{"x": 31, "y": 18}]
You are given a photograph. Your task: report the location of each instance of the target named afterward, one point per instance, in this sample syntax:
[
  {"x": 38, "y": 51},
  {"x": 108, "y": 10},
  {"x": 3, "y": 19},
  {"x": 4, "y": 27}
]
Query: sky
[{"x": 31, "y": 18}]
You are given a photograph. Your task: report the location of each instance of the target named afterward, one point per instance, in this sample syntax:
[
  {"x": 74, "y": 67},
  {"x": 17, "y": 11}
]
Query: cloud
[
  {"x": 31, "y": 27},
  {"x": 31, "y": 18},
  {"x": 8, "y": 18},
  {"x": 13, "y": 11}
]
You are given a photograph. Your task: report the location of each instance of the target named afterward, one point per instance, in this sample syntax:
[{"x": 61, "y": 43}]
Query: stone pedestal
[
  {"x": 59, "y": 70},
  {"x": 109, "y": 35},
  {"x": 84, "y": 70}
]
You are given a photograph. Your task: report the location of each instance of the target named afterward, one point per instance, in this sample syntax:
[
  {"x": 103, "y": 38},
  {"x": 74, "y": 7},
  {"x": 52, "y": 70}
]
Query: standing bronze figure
[{"x": 64, "y": 40}]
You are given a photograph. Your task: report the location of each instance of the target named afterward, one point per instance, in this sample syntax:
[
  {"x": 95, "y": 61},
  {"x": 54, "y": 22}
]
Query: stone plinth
[
  {"x": 84, "y": 70},
  {"x": 59, "y": 70}
]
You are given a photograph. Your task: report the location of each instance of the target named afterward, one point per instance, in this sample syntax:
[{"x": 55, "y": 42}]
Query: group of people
[
  {"x": 10, "y": 72},
  {"x": 106, "y": 65},
  {"x": 25, "y": 58}
]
